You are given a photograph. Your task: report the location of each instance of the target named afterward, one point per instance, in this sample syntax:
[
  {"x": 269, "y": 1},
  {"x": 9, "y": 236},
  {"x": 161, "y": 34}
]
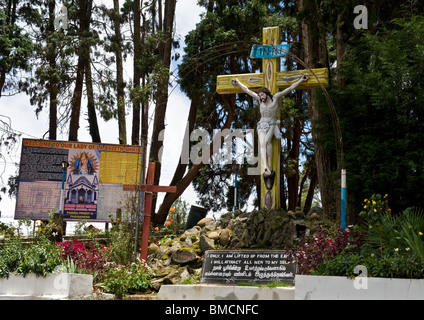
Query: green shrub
[
  {"x": 40, "y": 258},
  {"x": 389, "y": 265},
  {"x": 121, "y": 280}
]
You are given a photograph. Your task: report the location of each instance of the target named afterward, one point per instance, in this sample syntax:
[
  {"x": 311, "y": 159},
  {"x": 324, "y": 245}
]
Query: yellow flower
[
  {"x": 385, "y": 196},
  {"x": 375, "y": 210},
  {"x": 366, "y": 200},
  {"x": 420, "y": 233},
  {"x": 365, "y": 207},
  {"x": 370, "y": 227},
  {"x": 374, "y": 203}
]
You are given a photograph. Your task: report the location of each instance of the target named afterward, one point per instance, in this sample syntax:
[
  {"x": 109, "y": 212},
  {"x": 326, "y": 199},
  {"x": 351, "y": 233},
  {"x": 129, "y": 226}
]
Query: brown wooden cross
[{"x": 148, "y": 189}]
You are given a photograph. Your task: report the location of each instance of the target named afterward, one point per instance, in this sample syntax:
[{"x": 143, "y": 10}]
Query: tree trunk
[
  {"x": 181, "y": 166},
  {"x": 119, "y": 75},
  {"x": 135, "y": 138},
  {"x": 83, "y": 53},
  {"x": 52, "y": 86},
  {"x": 293, "y": 179},
  {"x": 91, "y": 109},
  {"x": 2, "y": 80},
  {"x": 160, "y": 217},
  {"x": 165, "y": 49},
  {"x": 301, "y": 185},
  {"x": 340, "y": 47},
  {"x": 313, "y": 177},
  {"x": 315, "y": 56}
]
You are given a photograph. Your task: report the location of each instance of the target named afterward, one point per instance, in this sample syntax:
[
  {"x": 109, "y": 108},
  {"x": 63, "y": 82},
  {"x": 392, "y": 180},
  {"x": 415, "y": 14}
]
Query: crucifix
[
  {"x": 148, "y": 189},
  {"x": 265, "y": 88}
]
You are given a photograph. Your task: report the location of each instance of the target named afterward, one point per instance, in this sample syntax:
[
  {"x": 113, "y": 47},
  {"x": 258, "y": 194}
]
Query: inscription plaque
[{"x": 256, "y": 266}]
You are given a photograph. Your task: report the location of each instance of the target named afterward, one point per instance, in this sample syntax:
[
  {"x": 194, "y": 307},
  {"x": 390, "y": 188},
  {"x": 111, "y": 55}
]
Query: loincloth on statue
[{"x": 264, "y": 125}]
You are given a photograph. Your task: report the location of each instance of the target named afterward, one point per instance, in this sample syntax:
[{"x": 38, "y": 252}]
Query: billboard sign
[{"x": 94, "y": 181}]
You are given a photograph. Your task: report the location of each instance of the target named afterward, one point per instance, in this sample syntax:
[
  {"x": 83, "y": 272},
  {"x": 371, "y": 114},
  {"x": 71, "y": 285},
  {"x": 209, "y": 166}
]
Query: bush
[
  {"x": 394, "y": 245},
  {"x": 121, "y": 280},
  {"x": 397, "y": 265},
  {"x": 325, "y": 244},
  {"x": 40, "y": 258},
  {"x": 387, "y": 232},
  {"x": 121, "y": 243},
  {"x": 11, "y": 255},
  {"x": 87, "y": 256}
]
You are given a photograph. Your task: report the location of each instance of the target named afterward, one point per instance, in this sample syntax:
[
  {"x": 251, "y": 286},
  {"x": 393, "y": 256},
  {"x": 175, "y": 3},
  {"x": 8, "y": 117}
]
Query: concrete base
[
  {"x": 361, "y": 288},
  {"x": 62, "y": 286},
  {"x": 223, "y": 292}
]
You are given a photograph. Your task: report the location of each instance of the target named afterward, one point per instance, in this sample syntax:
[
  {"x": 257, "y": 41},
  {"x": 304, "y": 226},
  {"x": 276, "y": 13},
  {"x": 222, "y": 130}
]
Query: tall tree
[
  {"x": 114, "y": 43},
  {"x": 50, "y": 77},
  {"x": 165, "y": 46},
  {"x": 85, "y": 10},
  {"x": 218, "y": 45},
  {"x": 135, "y": 138},
  {"x": 315, "y": 55},
  {"x": 165, "y": 49},
  {"x": 381, "y": 113},
  {"x": 91, "y": 105},
  {"x": 16, "y": 47},
  {"x": 53, "y": 83}
]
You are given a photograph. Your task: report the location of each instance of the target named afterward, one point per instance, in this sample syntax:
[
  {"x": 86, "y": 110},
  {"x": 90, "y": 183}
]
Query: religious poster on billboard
[{"x": 93, "y": 186}]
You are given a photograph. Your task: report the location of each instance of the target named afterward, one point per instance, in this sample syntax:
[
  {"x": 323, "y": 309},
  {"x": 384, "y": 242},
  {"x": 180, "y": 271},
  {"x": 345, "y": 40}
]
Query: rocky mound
[{"x": 179, "y": 260}]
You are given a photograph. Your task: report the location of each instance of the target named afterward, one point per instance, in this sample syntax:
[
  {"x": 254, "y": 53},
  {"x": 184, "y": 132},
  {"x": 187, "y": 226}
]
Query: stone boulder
[
  {"x": 183, "y": 255},
  {"x": 225, "y": 237},
  {"x": 203, "y": 221},
  {"x": 206, "y": 243}
]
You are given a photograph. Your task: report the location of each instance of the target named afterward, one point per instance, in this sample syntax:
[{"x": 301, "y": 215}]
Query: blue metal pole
[
  {"x": 62, "y": 192},
  {"x": 343, "y": 200},
  {"x": 235, "y": 192}
]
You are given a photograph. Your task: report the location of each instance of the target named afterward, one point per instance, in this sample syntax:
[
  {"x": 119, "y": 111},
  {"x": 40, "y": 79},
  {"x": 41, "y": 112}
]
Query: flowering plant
[
  {"x": 85, "y": 255},
  {"x": 325, "y": 244},
  {"x": 374, "y": 208}
]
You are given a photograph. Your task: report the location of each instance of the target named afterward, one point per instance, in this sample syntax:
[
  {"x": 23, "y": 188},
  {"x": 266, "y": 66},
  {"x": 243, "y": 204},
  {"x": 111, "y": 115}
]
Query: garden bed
[{"x": 61, "y": 286}]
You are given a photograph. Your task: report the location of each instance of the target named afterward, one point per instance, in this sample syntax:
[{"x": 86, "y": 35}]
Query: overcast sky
[{"x": 21, "y": 115}]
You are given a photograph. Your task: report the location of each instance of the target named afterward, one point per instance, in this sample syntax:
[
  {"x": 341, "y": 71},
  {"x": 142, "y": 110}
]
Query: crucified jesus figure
[{"x": 268, "y": 125}]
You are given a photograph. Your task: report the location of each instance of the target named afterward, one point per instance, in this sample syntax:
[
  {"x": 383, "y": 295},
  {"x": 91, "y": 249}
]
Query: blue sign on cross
[{"x": 268, "y": 52}]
